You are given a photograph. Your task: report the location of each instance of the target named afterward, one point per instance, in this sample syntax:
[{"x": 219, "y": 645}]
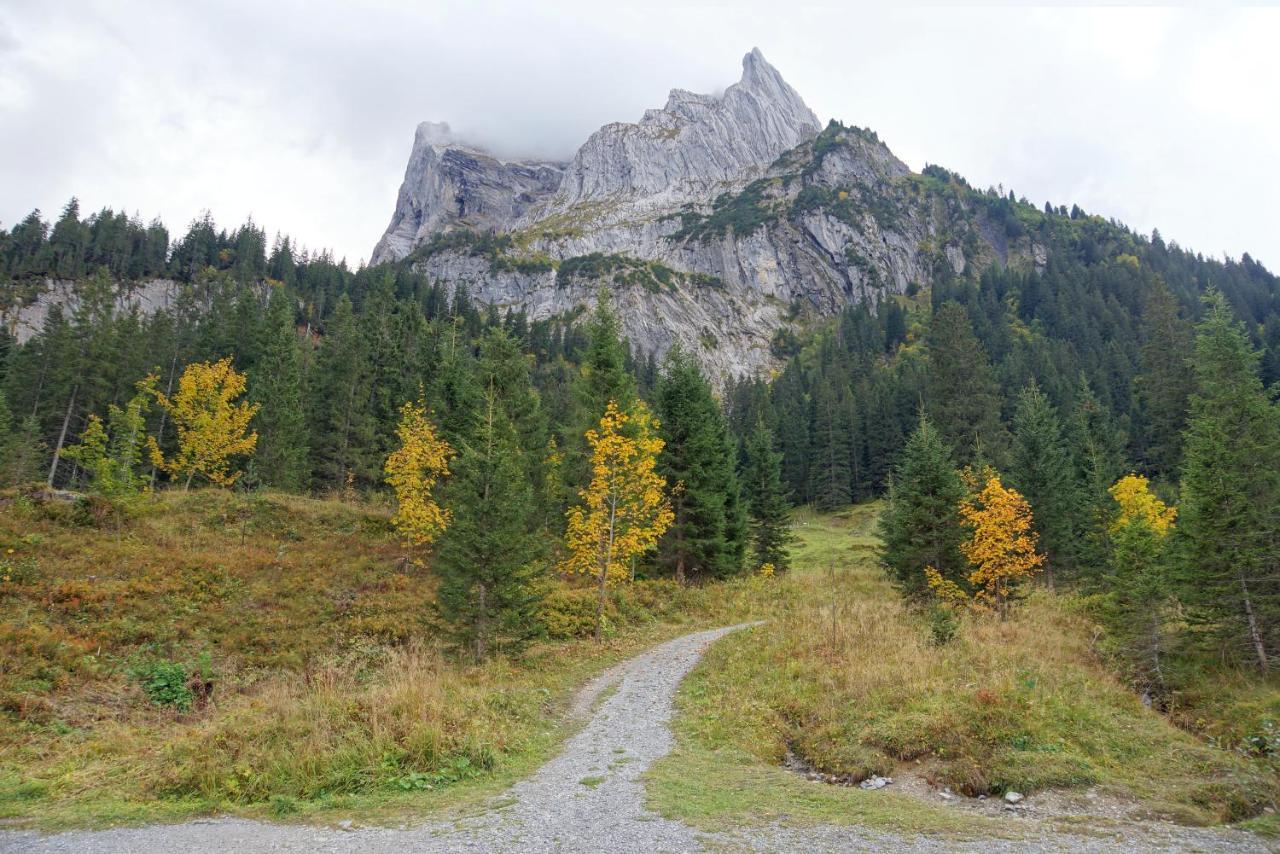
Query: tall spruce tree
[
  {"x": 277, "y": 385},
  {"x": 1041, "y": 471},
  {"x": 603, "y": 375},
  {"x": 1097, "y": 456},
  {"x": 1230, "y": 530},
  {"x": 7, "y": 438},
  {"x": 488, "y": 559},
  {"x": 707, "y": 537},
  {"x": 921, "y": 525},
  {"x": 1164, "y": 382},
  {"x": 830, "y": 465},
  {"x": 342, "y": 420},
  {"x": 962, "y": 396},
  {"x": 767, "y": 505}
]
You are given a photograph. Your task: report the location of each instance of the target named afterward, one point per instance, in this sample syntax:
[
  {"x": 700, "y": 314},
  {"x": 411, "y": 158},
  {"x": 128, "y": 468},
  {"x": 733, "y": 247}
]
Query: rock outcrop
[
  {"x": 449, "y": 183},
  {"x": 715, "y": 222}
]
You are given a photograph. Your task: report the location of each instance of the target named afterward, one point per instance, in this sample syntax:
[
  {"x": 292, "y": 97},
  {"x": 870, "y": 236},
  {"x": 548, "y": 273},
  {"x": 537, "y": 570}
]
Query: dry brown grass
[{"x": 329, "y": 685}]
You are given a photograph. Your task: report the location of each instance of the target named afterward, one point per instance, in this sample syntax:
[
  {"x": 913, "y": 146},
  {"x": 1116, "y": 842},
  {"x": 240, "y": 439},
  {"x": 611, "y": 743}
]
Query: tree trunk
[
  {"x": 607, "y": 558},
  {"x": 1255, "y": 634},
  {"x": 164, "y": 413},
  {"x": 62, "y": 435},
  {"x": 1155, "y": 648},
  {"x": 604, "y": 572},
  {"x": 480, "y": 627}
]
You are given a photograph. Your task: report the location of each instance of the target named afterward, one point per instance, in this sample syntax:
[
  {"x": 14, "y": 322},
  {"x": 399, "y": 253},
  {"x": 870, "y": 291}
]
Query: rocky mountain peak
[{"x": 693, "y": 146}]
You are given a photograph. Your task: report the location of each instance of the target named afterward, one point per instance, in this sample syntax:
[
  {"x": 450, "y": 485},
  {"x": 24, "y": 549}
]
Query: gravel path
[{"x": 590, "y": 798}]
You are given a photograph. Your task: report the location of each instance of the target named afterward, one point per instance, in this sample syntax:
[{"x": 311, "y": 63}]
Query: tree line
[
  {"x": 1179, "y": 579},
  {"x": 515, "y": 451}
]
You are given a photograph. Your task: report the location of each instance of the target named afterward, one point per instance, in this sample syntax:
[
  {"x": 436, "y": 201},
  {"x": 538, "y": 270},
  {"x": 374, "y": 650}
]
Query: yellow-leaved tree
[
  {"x": 213, "y": 427},
  {"x": 1139, "y": 604},
  {"x": 412, "y": 471},
  {"x": 624, "y": 509},
  {"x": 1001, "y": 549},
  {"x": 1138, "y": 505}
]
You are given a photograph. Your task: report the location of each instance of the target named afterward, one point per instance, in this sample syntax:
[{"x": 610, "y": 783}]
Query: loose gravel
[{"x": 590, "y": 798}]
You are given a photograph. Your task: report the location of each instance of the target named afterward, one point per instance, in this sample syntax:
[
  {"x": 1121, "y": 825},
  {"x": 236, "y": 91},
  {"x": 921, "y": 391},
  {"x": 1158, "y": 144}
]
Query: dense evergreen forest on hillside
[{"x": 1063, "y": 379}]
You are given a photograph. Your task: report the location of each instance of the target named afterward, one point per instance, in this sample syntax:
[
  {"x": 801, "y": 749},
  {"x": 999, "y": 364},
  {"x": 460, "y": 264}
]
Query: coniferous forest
[{"x": 1125, "y": 355}]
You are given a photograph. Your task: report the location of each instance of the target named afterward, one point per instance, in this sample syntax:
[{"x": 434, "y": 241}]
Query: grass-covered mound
[{"x": 856, "y": 684}]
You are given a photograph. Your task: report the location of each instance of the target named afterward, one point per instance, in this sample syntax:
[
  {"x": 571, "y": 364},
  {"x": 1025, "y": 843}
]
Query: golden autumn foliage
[
  {"x": 624, "y": 509},
  {"x": 1001, "y": 549},
  {"x": 212, "y": 426},
  {"x": 1136, "y": 504},
  {"x": 412, "y": 471}
]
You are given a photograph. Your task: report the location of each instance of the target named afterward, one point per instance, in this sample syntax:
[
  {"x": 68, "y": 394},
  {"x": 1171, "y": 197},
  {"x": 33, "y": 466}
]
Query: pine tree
[
  {"x": 276, "y": 385},
  {"x": 601, "y": 378},
  {"x": 767, "y": 505},
  {"x": 963, "y": 397},
  {"x": 706, "y": 536},
  {"x": 921, "y": 525},
  {"x": 455, "y": 394},
  {"x": 830, "y": 466},
  {"x": 1230, "y": 531},
  {"x": 1165, "y": 381},
  {"x": 8, "y": 440},
  {"x": 503, "y": 367},
  {"x": 603, "y": 374},
  {"x": 491, "y": 578},
  {"x": 1097, "y": 457},
  {"x": 1041, "y": 471},
  {"x": 341, "y": 418}
]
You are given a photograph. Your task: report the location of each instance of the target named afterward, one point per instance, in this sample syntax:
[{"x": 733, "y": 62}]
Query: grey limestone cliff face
[
  {"x": 449, "y": 183},
  {"x": 714, "y": 222}
]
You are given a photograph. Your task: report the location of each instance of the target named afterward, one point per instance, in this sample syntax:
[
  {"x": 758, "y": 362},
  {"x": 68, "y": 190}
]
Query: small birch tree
[
  {"x": 412, "y": 471},
  {"x": 212, "y": 424},
  {"x": 625, "y": 509}
]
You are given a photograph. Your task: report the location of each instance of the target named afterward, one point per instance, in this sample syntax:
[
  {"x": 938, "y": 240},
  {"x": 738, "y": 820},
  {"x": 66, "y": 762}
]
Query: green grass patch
[{"x": 854, "y": 683}]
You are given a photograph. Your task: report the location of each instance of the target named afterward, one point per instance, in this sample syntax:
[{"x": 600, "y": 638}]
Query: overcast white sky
[{"x": 302, "y": 114}]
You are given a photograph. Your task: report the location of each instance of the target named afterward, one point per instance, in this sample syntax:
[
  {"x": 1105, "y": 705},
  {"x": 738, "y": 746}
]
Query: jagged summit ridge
[
  {"x": 693, "y": 145},
  {"x": 693, "y": 148}
]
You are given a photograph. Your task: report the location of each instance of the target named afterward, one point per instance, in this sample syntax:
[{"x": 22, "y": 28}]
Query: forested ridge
[{"x": 1064, "y": 378}]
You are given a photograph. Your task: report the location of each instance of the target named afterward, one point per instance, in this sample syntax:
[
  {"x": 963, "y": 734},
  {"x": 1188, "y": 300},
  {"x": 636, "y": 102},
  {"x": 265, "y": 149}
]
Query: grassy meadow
[
  {"x": 854, "y": 683},
  {"x": 299, "y": 645},
  {"x": 274, "y": 656}
]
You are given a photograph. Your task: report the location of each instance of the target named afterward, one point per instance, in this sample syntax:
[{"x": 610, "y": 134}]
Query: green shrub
[
  {"x": 165, "y": 684},
  {"x": 570, "y": 612},
  {"x": 943, "y": 625}
]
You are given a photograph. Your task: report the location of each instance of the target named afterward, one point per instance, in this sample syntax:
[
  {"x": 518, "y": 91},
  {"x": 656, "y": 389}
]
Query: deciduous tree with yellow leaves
[
  {"x": 413, "y": 470},
  {"x": 625, "y": 508},
  {"x": 1139, "y": 590},
  {"x": 213, "y": 427},
  {"x": 1001, "y": 549}
]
